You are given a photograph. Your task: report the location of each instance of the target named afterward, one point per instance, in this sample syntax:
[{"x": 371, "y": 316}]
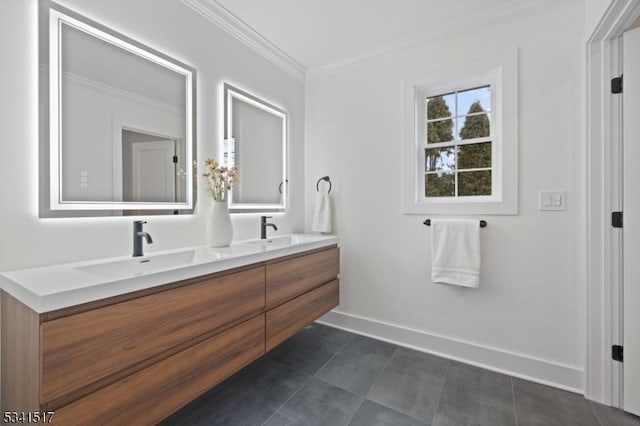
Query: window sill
[{"x": 463, "y": 207}]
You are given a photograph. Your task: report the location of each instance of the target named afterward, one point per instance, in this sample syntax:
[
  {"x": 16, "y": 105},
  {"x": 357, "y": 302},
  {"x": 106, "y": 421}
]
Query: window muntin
[{"x": 457, "y": 143}]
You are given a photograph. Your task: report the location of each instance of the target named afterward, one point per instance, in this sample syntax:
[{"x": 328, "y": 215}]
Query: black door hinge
[
  {"x": 175, "y": 159},
  {"x": 616, "y": 219},
  {"x": 616, "y": 353},
  {"x": 616, "y": 85}
]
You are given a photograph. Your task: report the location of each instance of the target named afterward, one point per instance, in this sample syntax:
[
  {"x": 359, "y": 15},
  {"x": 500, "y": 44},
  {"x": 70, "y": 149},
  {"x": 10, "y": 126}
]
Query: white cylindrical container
[{"x": 219, "y": 227}]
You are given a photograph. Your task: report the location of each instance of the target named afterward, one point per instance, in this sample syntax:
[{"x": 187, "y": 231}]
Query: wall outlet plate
[{"x": 552, "y": 200}]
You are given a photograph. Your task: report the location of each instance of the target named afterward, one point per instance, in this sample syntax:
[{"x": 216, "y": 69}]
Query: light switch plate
[{"x": 552, "y": 200}]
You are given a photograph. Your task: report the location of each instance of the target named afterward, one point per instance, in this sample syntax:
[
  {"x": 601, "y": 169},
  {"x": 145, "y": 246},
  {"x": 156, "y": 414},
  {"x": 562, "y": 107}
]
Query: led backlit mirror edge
[
  {"x": 229, "y": 93},
  {"x": 52, "y": 16}
]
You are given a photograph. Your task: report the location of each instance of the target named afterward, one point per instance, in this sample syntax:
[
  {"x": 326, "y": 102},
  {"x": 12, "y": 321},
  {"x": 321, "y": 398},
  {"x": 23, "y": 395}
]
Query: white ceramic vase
[{"x": 219, "y": 227}]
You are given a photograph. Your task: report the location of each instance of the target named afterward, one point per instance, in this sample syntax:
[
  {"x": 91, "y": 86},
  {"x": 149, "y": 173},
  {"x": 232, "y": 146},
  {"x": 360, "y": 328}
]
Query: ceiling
[{"x": 321, "y": 34}]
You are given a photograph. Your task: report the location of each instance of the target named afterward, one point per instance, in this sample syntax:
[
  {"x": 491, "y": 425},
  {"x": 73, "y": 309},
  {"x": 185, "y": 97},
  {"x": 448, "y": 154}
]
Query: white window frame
[{"x": 500, "y": 71}]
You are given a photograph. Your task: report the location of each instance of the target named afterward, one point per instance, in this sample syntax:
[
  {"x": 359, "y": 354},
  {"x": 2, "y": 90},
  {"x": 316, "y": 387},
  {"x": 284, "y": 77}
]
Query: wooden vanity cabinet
[
  {"x": 287, "y": 319},
  {"x": 137, "y": 358},
  {"x": 299, "y": 290},
  {"x": 155, "y": 392},
  {"x": 293, "y": 276},
  {"x": 80, "y": 351}
]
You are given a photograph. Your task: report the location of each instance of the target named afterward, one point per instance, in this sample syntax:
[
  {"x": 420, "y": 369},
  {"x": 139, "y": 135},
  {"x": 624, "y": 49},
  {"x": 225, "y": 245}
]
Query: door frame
[{"x": 603, "y": 163}]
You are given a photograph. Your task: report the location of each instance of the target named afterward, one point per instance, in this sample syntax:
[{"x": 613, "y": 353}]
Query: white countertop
[{"x": 54, "y": 287}]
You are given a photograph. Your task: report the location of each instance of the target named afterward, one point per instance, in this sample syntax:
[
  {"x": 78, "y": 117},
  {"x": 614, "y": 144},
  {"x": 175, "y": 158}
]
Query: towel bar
[
  {"x": 483, "y": 223},
  {"x": 326, "y": 179}
]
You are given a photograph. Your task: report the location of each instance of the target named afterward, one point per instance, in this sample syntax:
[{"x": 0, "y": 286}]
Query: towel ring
[
  {"x": 483, "y": 223},
  {"x": 280, "y": 186},
  {"x": 326, "y": 179}
]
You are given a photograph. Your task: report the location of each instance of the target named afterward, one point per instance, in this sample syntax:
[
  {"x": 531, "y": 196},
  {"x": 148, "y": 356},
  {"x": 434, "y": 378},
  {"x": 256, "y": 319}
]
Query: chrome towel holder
[{"x": 326, "y": 179}]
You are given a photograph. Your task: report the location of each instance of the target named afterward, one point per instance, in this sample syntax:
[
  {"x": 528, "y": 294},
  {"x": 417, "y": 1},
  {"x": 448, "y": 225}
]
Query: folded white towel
[
  {"x": 455, "y": 252},
  {"x": 321, "y": 221}
]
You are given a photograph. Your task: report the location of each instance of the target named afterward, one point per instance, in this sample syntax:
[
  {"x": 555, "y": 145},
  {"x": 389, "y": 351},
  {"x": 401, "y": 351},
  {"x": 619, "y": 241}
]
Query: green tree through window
[
  {"x": 442, "y": 130},
  {"x": 461, "y": 163},
  {"x": 475, "y": 155}
]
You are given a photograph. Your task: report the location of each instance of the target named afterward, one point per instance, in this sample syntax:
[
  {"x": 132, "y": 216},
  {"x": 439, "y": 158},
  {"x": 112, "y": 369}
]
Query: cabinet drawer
[
  {"x": 285, "y": 320},
  {"x": 157, "y": 391},
  {"x": 290, "y": 278},
  {"x": 81, "y": 350}
]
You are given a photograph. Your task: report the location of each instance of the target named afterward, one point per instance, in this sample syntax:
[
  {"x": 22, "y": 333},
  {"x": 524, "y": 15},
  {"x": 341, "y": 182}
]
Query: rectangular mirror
[
  {"x": 121, "y": 123},
  {"x": 255, "y": 142}
]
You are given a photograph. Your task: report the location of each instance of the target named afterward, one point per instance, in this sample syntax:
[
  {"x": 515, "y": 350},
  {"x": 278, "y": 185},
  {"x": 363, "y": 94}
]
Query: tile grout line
[
  {"x": 444, "y": 381},
  {"x": 381, "y": 370},
  {"x": 595, "y": 413},
  {"x": 332, "y": 357},
  {"x": 345, "y": 344},
  {"x": 290, "y": 367},
  {"x": 364, "y": 397},
  {"x": 356, "y": 411},
  {"x": 288, "y": 399},
  {"x": 309, "y": 377},
  {"x": 322, "y": 366},
  {"x": 513, "y": 396}
]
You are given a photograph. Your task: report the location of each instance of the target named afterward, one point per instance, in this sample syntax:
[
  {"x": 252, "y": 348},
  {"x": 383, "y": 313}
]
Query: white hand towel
[
  {"x": 455, "y": 252},
  {"x": 321, "y": 221}
]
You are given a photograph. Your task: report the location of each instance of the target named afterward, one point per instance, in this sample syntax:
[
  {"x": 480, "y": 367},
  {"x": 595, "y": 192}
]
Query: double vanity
[{"x": 131, "y": 340}]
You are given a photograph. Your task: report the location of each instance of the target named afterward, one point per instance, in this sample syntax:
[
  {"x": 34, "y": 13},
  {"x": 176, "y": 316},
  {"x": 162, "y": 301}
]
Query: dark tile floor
[{"x": 326, "y": 376}]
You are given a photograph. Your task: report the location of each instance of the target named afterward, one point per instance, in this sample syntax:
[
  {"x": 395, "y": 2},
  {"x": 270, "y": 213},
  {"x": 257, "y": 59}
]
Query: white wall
[
  {"x": 594, "y": 10},
  {"x": 527, "y": 317},
  {"x": 168, "y": 26}
]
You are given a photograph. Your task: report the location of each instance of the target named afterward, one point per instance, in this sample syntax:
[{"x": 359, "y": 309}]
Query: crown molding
[
  {"x": 223, "y": 18},
  {"x": 121, "y": 93},
  {"x": 466, "y": 24},
  {"x": 115, "y": 91}
]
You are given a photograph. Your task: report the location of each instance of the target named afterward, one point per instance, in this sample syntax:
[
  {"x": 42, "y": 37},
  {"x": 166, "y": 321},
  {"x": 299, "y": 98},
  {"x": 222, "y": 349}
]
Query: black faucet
[
  {"x": 263, "y": 226},
  {"x": 138, "y": 234}
]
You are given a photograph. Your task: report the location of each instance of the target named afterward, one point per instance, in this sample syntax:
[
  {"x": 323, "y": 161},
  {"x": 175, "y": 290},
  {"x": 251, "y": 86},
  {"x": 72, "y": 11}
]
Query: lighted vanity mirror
[
  {"x": 256, "y": 142},
  {"x": 121, "y": 123}
]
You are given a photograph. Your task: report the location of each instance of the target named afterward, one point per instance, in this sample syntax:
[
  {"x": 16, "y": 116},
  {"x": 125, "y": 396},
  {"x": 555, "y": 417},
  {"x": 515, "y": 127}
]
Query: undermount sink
[
  {"x": 139, "y": 265},
  {"x": 151, "y": 264},
  {"x": 284, "y": 241}
]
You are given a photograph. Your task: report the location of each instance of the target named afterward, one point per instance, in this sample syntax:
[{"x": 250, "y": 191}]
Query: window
[
  {"x": 461, "y": 139},
  {"x": 457, "y": 143}
]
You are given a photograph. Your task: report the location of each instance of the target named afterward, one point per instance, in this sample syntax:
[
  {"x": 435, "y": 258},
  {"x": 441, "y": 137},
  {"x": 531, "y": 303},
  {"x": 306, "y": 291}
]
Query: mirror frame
[
  {"x": 58, "y": 16},
  {"x": 230, "y": 93}
]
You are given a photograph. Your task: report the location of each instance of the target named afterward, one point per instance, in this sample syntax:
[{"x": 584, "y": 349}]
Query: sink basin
[
  {"x": 284, "y": 241},
  {"x": 139, "y": 265}
]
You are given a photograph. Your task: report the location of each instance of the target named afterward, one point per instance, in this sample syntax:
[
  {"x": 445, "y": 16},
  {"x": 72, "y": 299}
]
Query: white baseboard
[{"x": 518, "y": 365}]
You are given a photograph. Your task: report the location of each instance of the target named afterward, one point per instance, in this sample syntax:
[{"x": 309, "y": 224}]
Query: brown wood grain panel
[
  {"x": 290, "y": 278},
  {"x": 76, "y": 309},
  {"x": 20, "y": 356},
  {"x": 300, "y": 254},
  {"x": 82, "y": 349},
  {"x": 153, "y": 393},
  {"x": 285, "y": 320}
]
